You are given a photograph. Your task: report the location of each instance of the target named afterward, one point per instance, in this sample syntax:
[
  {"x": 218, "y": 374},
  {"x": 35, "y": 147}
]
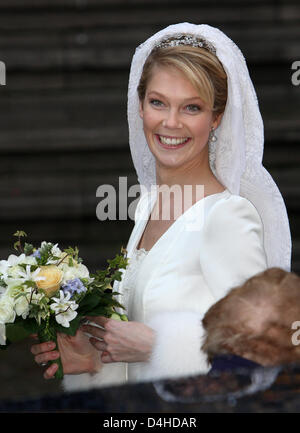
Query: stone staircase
[{"x": 63, "y": 123}]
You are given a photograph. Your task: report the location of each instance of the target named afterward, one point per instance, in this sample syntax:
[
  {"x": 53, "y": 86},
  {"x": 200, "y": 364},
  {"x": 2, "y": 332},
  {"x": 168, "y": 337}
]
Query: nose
[{"x": 172, "y": 120}]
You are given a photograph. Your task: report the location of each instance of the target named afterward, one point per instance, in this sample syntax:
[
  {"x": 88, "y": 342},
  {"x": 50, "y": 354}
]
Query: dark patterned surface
[{"x": 282, "y": 396}]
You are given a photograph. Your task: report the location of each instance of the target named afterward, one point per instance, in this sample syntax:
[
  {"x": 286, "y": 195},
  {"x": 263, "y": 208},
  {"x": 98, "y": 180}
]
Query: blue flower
[
  {"x": 73, "y": 286},
  {"x": 36, "y": 254}
]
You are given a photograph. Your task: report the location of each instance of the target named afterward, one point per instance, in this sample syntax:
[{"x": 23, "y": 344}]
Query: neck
[{"x": 200, "y": 175}]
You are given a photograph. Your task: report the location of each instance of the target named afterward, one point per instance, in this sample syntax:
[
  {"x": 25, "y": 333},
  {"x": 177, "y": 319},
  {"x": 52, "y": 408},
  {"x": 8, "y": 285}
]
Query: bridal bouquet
[{"x": 46, "y": 290}]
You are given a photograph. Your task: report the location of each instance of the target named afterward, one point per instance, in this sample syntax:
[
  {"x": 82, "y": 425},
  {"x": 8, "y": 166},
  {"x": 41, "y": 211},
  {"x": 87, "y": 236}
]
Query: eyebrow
[{"x": 187, "y": 99}]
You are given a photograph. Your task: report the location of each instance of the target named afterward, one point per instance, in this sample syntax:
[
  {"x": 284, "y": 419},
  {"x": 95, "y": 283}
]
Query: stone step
[
  {"x": 57, "y": 196},
  {"x": 97, "y": 241},
  {"x": 92, "y": 4},
  {"x": 104, "y": 47},
  {"x": 96, "y": 118},
  {"x": 236, "y": 12},
  {"x": 51, "y": 35},
  {"x": 117, "y": 161}
]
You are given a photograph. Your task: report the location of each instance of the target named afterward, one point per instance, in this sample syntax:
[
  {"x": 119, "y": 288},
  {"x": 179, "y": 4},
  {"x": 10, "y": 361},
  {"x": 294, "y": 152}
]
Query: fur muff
[{"x": 177, "y": 349}]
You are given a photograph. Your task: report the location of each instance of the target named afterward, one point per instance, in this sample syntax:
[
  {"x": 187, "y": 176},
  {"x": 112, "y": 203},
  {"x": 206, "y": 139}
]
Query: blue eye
[
  {"x": 155, "y": 102},
  {"x": 195, "y": 108}
]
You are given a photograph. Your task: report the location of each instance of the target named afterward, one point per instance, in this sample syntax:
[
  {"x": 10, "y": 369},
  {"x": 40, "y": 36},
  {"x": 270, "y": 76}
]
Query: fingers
[
  {"x": 50, "y": 372},
  {"x": 99, "y": 345},
  {"x": 102, "y": 347},
  {"x": 42, "y": 347},
  {"x": 45, "y": 357},
  {"x": 34, "y": 336},
  {"x": 94, "y": 331},
  {"x": 106, "y": 358},
  {"x": 44, "y": 352},
  {"x": 100, "y": 320}
]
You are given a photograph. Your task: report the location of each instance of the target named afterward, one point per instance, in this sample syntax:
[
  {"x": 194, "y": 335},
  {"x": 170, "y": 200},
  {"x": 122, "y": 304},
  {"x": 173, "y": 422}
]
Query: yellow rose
[{"x": 51, "y": 283}]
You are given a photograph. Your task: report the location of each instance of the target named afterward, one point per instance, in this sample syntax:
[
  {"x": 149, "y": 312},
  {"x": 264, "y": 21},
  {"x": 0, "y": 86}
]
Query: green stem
[{"x": 48, "y": 333}]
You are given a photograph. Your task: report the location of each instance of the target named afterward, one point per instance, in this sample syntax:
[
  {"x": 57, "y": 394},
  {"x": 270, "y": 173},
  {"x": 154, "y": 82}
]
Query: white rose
[
  {"x": 3, "y": 268},
  {"x": 71, "y": 272},
  {"x": 7, "y": 312},
  {"x": 22, "y": 307},
  {"x": 10, "y": 268},
  {"x": 12, "y": 260},
  {"x": 29, "y": 260},
  {"x": 14, "y": 289},
  {"x": 21, "y": 303},
  {"x": 13, "y": 273},
  {"x": 82, "y": 270}
]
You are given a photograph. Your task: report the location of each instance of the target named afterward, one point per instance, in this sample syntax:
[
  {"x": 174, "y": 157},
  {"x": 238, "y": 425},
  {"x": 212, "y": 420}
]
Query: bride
[{"x": 194, "y": 121}]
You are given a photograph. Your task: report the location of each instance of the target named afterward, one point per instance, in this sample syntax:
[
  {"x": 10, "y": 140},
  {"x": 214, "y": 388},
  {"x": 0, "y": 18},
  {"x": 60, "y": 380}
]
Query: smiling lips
[{"x": 172, "y": 141}]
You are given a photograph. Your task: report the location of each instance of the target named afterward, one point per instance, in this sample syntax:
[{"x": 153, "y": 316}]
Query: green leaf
[
  {"x": 17, "y": 245},
  {"x": 16, "y": 332},
  {"x": 89, "y": 302},
  {"x": 28, "y": 249},
  {"x": 99, "y": 311},
  {"x": 20, "y": 233},
  {"x": 30, "y": 325}
]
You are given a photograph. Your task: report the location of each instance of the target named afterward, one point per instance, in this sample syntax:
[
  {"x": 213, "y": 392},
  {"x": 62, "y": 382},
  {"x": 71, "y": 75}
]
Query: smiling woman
[
  {"x": 199, "y": 65},
  {"x": 177, "y": 128},
  {"x": 188, "y": 85}
]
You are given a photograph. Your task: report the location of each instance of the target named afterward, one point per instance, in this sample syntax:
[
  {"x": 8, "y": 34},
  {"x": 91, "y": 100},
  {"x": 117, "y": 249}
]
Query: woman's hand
[
  {"x": 121, "y": 341},
  {"x": 77, "y": 355}
]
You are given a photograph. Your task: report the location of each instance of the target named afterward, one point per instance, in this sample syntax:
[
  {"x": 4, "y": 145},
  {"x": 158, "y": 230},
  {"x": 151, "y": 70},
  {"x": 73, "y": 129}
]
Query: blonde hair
[{"x": 201, "y": 67}]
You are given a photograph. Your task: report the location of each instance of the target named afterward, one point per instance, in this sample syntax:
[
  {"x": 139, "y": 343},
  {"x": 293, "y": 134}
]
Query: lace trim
[
  {"x": 139, "y": 252},
  {"x": 130, "y": 277}
]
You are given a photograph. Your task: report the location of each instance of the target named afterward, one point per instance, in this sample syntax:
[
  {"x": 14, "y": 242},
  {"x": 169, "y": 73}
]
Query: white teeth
[{"x": 172, "y": 141}]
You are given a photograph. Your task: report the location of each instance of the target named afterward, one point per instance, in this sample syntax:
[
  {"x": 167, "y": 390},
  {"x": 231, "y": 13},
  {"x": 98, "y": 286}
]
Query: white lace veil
[{"x": 236, "y": 157}]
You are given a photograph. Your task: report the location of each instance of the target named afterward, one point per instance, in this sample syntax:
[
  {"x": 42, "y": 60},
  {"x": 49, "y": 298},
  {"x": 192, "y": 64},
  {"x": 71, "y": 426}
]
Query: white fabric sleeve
[
  {"x": 109, "y": 375},
  {"x": 176, "y": 351},
  {"x": 231, "y": 252},
  {"x": 233, "y": 245}
]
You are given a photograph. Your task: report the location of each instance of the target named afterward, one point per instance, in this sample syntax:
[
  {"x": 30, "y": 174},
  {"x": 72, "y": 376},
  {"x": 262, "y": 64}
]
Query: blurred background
[{"x": 63, "y": 122}]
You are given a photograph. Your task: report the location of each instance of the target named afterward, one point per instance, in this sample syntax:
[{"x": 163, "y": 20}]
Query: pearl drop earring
[{"x": 212, "y": 136}]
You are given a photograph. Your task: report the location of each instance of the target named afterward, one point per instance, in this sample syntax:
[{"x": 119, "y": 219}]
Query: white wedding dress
[{"x": 215, "y": 245}]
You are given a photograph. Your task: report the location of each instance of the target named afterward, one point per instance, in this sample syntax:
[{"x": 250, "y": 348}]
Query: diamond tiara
[{"x": 185, "y": 39}]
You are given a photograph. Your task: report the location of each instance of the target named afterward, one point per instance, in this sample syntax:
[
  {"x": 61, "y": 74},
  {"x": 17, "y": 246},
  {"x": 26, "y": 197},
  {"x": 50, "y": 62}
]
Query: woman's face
[{"x": 176, "y": 121}]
